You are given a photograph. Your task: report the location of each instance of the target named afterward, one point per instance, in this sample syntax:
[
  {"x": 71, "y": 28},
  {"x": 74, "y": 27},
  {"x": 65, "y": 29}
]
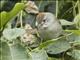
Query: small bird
[{"x": 48, "y": 26}]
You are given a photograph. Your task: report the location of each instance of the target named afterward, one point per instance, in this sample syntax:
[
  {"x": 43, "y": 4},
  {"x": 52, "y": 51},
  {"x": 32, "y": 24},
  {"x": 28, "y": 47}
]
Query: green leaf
[
  {"x": 11, "y": 34},
  {"x": 3, "y": 16},
  {"x": 52, "y": 58},
  {"x": 65, "y": 22},
  {"x": 6, "y": 16},
  {"x": 77, "y": 32},
  {"x": 55, "y": 46},
  {"x": 17, "y": 8},
  {"x": 39, "y": 55},
  {"x": 74, "y": 39},
  {"x": 75, "y": 54},
  {"x": 77, "y": 21},
  {"x": 4, "y": 51},
  {"x": 44, "y": 44},
  {"x": 13, "y": 52}
]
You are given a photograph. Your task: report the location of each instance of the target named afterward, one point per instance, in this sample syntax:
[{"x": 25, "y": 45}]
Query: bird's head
[{"x": 44, "y": 20}]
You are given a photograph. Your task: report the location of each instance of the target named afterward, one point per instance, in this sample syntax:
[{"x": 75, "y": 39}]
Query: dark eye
[{"x": 44, "y": 20}]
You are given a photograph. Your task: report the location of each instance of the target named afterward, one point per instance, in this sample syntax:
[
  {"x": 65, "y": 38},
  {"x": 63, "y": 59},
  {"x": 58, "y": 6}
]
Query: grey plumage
[{"x": 48, "y": 26}]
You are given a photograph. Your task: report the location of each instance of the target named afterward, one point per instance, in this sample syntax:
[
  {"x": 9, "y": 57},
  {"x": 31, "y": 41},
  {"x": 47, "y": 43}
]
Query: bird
[{"x": 48, "y": 26}]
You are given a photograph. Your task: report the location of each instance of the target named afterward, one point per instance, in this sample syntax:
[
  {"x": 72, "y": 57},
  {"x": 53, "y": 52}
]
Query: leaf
[
  {"x": 74, "y": 37},
  {"x": 77, "y": 21},
  {"x": 55, "y": 46},
  {"x": 17, "y": 8},
  {"x": 65, "y": 22},
  {"x": 39, "y": 55},
  {"x": 13, "y": 33},
  {"x": 52, "y": 58},
  {"x": 77, "y": 32},
  {"x": 75, "y": 54},
  {"x": 4, "y": 51},
  {"x": 14, "y": 52},
  {"x": 44, "y": 44},
  {"x": 6, "y": 16},
  {"x": 3, "y": 16},
  {"x": 18, "y": 53}
]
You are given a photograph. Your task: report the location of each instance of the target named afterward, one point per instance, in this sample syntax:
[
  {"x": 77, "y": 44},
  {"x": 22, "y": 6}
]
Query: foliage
[
  {"x": 6, "y": 16},
  {"x": 66, "y": 47}
]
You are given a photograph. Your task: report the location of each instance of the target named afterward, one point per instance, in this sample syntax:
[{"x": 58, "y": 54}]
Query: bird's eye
[{"x": 44, "y": 20}]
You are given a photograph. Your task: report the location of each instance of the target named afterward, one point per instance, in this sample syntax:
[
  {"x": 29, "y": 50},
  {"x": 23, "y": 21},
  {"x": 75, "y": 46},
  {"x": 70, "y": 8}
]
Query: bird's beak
[{"x": 36, "y": 23}]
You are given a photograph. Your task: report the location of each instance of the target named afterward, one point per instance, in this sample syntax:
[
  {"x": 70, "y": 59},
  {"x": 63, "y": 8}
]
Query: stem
[
  {"x": 40, "y": 4},
  {"x": 21, "y": 19},
  {"x": 79, "y": 6},
  {"x": 56, "y": 8},
  {"x": 74, "y": 11}
]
